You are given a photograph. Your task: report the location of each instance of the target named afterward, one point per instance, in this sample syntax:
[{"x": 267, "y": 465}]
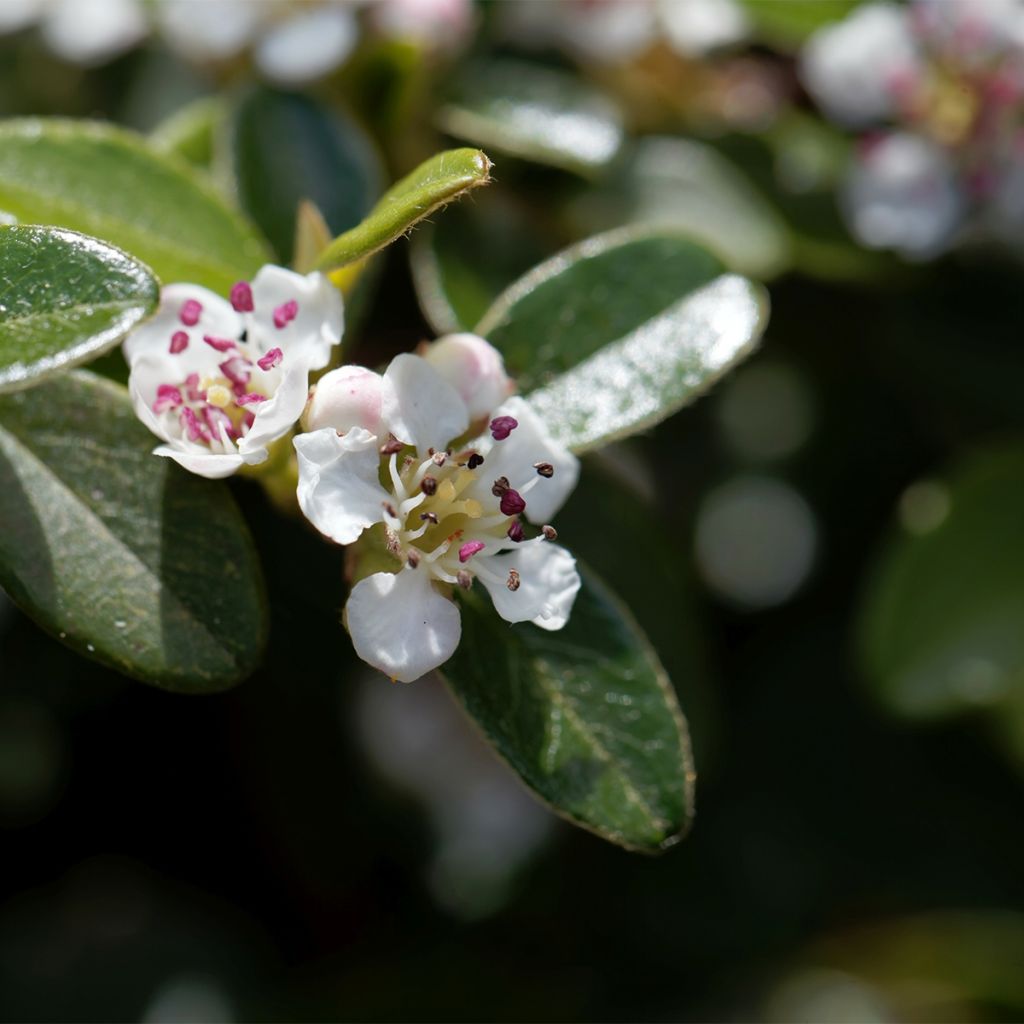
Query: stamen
[
  {"x": 513, "y": 580},
  {"x": 515, "y": 532},
  {"x": 501, "y": 485},
  {"x": 413, "y": 557},
  {"x": 390, "y": 509},
  {"x": 193, "y": 390},
  {"x": 396, "y": 479},
  {"x": 285, "y": 314},
  {"x": 475, "y": 460},
  {"x": 167, "y": 397},
  {"x": 502, "y": 426},
  {"x": 251, "y": 399},
  {"x": 190, "y": 425},
  {"x": 220, "y": 344},
  {"x": 241, "y": 297},
  {"x": 512, "y": 503},
  {"x": 429, "y": 517},
  {"x": 391, "y": 446},
  {"x": 464, "y": 579},
  {"x": 439, "y": 458},
  {"x": 190, "y": 312},
  {"x": 428, "y": 485},
  {"x": 274, "y": 358},
  {"x": 179, "y": 342},
  {"x": 544, "y": 469},
  {"x": 469, "y": 549},
  {"x": 235, "y": 370},
  {"x": 550, "y": 533}
]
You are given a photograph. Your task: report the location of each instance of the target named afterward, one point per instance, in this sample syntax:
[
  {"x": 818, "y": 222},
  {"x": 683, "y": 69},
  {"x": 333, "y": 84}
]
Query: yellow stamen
[{"x": 218, "y": 395}]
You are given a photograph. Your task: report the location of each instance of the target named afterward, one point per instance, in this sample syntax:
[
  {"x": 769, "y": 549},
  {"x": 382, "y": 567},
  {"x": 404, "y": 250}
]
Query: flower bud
[
  {"x": 474, "y": 368},
  {"x": 345, "y": 398}
]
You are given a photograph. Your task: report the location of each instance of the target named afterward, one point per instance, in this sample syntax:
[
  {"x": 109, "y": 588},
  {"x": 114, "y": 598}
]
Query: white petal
[
  {"x": 548, "y": 584},
  {"x": 401, "y": 625},
  {"x": 279, "y": 413},
  {"x": 93, "y": 31},
  {"x": 515, "y": 457},
  {"x": 320, "y": 318},
  {"x": 474, "y": 367},
  {"x": 420, "y": 407},
  {"x": 855, "y": 67},
  {"x": 154, "y": 336},
  {"x": 210, "y": 29},
  {"x": 18, "y": 14},
  {"x": 307, "y": 46},
  {"x": 200, "y": 460},
  {"x": 339, "y": 491}
]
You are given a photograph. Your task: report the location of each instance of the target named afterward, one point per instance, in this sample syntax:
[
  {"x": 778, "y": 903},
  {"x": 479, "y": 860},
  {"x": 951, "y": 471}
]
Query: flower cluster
[
  {"x": 939, "y": 87},
  {"x": 435, "y": 459}
]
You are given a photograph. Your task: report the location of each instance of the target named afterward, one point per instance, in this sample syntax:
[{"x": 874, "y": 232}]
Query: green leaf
[
  {"x": 64, "y": 298},
  {"x": 191, "y": 132},
  {"x": 791, "y": 22},
  {"x": 121, "y": 554},
  {"x": 109, "y": 183},
  {"x": 942, "y": 623},
  {"x": 616, "y": 333},
  {"x": 286, "y": 147},
  {"x": 436, "y": 182},
  {"x": 585, "y": 715},
  {"x": 688, "y": 186},
  {"x": 536, "y": 113}
]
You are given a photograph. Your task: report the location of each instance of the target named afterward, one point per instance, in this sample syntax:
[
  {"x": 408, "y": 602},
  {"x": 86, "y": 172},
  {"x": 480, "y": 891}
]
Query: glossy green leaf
[
  {"x": 687, "y": 185},
  {"x": 614, "y": 334},
  {"x": 64, "y": 298},
  {"x": 536, "y": 113},
  {"x": 191, "y": 132},
  {"x": 943, "y": 617},
  {"x": 109, "y": 183},
  {"x": 286, "y": 147},
  {"x": 121, "y": 554},
  {"x": 585, "y": 715},
  {"x": 436, "y": 182}
]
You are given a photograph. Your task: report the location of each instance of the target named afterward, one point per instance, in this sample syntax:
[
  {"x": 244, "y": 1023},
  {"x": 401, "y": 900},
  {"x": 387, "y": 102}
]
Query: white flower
[
  {"x": 902, "y": 194},
  {"x": 694, "y": 28},
  {"x": 442, "y": 24},
  {"x": 84, "y": 32},
  {"x": 858, "y": 68},
  {"x": 220, "y": 381},
  {"x": 473, "y": 367},
  {"x": 448, "y": 517}
]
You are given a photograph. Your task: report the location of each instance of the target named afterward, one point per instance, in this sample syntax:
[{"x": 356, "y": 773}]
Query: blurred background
[{"x": 827, "y": 551}]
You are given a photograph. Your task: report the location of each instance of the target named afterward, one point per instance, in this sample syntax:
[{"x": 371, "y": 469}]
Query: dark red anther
[
  {"x": 515, "y": 532},
  {"x": 179, "y": 342},
  {"x": 512, "y": 503},
  {"x": 475, "y": 460},
  {"x": 241, "y": 297},
  {"x": 502, "y": 426},
  {"x": 190, "y": 312}
]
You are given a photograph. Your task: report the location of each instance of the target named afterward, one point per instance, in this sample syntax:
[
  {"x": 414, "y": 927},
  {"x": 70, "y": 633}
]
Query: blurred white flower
[
  {"x": 856, "y": 68},
  {"x": 446, "y": 519},
  {"x": 220, "y": 381},
  {"x": 84, "y": 32},
  {"x": 308, "y": 44},
  {"x": 696, "y": 27},
  {"x": 902, "y": 194},
  {"x": 433, "y": 24}
]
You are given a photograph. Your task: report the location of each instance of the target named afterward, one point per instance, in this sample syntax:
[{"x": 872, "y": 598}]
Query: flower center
[{"x": 432, "y": 524}]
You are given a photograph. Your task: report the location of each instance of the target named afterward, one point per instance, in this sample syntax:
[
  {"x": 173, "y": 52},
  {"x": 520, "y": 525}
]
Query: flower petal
[
  {"x": 548, "y": 584},
  {"x": 339, "y": 491},
  {"x": 200, "y": 460},
  {"x": 419, "y": 407},
  {"x": 401, "y": 625},
  {"x": 216, "y": 318},
  {"x": 515, "y": 458},
  {"x": 318, "y": 320}
]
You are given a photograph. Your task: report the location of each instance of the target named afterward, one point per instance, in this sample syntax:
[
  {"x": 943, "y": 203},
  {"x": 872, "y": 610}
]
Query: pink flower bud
[
  {"x": 475, "y": 369},
  {"x": 345, "y": 398}
]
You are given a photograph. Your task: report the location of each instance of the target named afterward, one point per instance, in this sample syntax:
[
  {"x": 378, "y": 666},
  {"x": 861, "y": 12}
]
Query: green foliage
[
  {"x": 941, "y": 621},
  {"x": 110, "y": 183},
  {"x": 687, "y": 185},
  {"x": 191, "y": 132},
  {"x": 535, "y": 113},
  {"x": 789, "y": 22},
  {"x": 124, "y": 556},
  {"x": 64, "y": 298},
  {"x": 585, "y": 715},
  {"x": 614, "y": 334},
  {"x": 285, "y": 147},
  {"x": 436, "y": 182}
]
